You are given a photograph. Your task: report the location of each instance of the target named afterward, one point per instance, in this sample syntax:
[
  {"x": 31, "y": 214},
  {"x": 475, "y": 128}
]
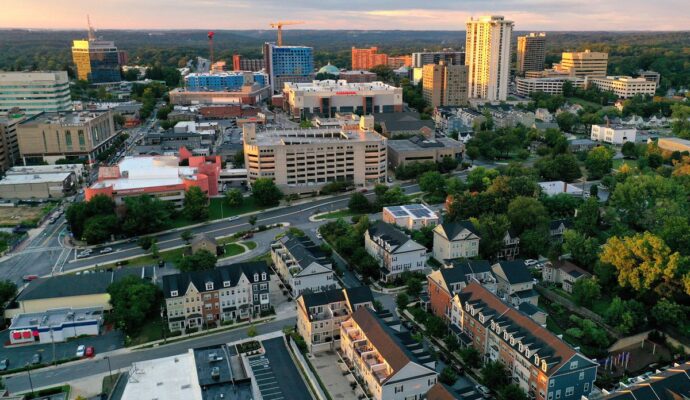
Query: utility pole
[
  {"x": 31, "y": 384},
  {"x": 110, "y": 378}
]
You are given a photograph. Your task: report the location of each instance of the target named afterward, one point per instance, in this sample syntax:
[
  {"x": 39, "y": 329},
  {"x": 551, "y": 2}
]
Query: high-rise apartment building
[
  {"x": 304, "y": 160},
  {"x": 288, "y": 64},
  {"x": 224, "y": 80},
  {"x": 584, "y": 63},
  {"x": 434, "y": 57},
  {"x": 97, "y": 61},
  {"x": 399, "y": 61},
  {"x": 531, "y": 52},
  {"x": 240, "y": 63},
  {"x": 487, "y": 54},
  {"x": 34, "y": 92},
  {"x": 52, "y": 136},
  {"x": 445, "y": 85},
  {"x": 368, "y": 58},
  {"x": 9, "y": 148}
]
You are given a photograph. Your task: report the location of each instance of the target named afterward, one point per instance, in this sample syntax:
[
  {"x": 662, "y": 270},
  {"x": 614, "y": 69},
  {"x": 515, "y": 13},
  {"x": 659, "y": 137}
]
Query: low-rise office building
[
  {"x": 302, "y": 265},
  {"x": 550, "y": 85},
  {"x": 325, "y": 98},
  {"x": 455, "y": 240},
  {"x": 247, "y": 94},
  {"x": 543, "y": 365},
  {"x": 56, "y": 325},
  {"x": 319, "y": 315},
  {"x": 624, "y": 87},
  {"x": 35, "y": 92},
  {"x": 410, "y": 216},
  {"x": 394, "y": 250},
  {"x": 515, "y": 283},
  {"x": 225, "y": 293},
  {"x": 614, "y": 134},
  {"x": 162, "y": 176},
  {"x": 49, "y": 137},
  {"x": 38, "y": 186},
  {"x": 304, "y": 160},
  {"x": 392, "y": 364},
  {"x": 9, "y": 147},
  {"x": 421, "y": 149}
]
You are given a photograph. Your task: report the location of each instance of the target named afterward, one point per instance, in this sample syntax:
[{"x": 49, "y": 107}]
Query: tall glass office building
[
  {"x": 35, "y": 92},
  {"x": 97, "y": 61},
  {"x": 288, "y": 64},
  {"x": 223, "y": 80}
]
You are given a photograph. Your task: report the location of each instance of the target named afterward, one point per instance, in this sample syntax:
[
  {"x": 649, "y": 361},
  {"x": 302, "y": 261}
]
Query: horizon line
[{"x": 349, "y": 30}]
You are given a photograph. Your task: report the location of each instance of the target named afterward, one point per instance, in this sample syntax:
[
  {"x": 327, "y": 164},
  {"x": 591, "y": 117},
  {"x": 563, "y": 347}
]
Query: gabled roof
[
  {"x": 570, "y": 268},
  {"x": 227, "y": 273},
  {"x": 556, "y": 223},
  {"x": 672, "y": 384},
  {"x": 359, "y": 295},
  {"x": 202, "y": 237},
  {"x": 79, "y": 285},
  {"x": 514, "y": 271},
  {"x": 391, "y": 235},
  {"x": 323, "y": 298},
  {"x": 452, "y": 229},
  {"x": 392, "y": 345},
  {"x": 441, "y": 391},
  {"x": 303, "y": 250},
  {"x": 539, "y": 340},
  {"x": 460, "y": 270}
]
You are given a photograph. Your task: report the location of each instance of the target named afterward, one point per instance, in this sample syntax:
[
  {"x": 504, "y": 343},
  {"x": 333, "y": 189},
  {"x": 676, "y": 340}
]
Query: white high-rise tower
[{"x": 487, "y": 55}]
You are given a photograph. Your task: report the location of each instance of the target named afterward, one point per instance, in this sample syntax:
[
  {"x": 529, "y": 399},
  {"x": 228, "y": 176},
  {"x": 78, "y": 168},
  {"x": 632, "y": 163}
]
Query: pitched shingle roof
[
  {"x": 359, "y": 295},
  {"x": 323, "y": 298},
  {"x": 226, "y": 273},
  {"x": 555, "y": 224},
  {"x": 570, "y": 268},
  {"x": 453, "y": 228},
  {"x": 389, "y": 234},
  {"x": 515, "y": 271},
  {"x": 671, "y": 384},
  {"x": 303, "y": 250}
]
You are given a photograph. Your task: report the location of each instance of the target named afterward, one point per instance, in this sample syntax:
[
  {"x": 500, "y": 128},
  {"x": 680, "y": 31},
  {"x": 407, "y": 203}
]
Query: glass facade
[
  {"x": 293, "y": 61},
  {"x": 221, "y": 81},
  {"x": 96, "y": 61}
]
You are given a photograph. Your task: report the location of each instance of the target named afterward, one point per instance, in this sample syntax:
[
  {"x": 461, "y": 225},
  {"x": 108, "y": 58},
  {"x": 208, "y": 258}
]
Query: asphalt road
[{"x": 80, "y": 369}]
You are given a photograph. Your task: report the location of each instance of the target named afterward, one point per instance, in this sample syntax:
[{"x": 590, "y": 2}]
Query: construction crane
[{"x": 280, "y": 25}]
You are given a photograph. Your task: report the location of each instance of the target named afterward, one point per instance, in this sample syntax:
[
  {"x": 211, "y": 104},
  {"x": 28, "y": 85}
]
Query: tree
[
  {"x": 643, "y": 261},
  {"x": 265, "y": 192},
  {"x": 199, "y": 261},
  {"x": 493, "y": 374},
  {"x": 534, "y": 242},
  {"x": 587, "y": 219},
  {"x": 358, "y": 203},
  {"x": 566, "y": 121},
  {"x": 561, "y": 205},
  {"x": 471, "y": 357},
  {"x": 402, "y": 300},
  {"x": 492, "y": 229},
  {"x": 472, "y": 153},
  {"x": 586, "y": 291},
  {"x": 238, "y": 159},
  {"x": 629, "y": 150},
  {"x": 133, "y": 302},
  {"x": 154, "y": 249},
  {"x": 447, "y": 164},
  {"x": 681, "y": 120},
  {"x": 251, "y": 332},
  {"x": 451, "y": 343},
  {"x": 667, "y": 312},
  {"x": 435, "y": 326},
  {"x": 512, "y": 391},
  {"x": 252, "y": 220},
  {"x": 186, "y": 236},
  {"x": 99, "y": 228},
  {"x": 196, "y": 204},
  {"x": 599, "y": 162},
  {"x": 448, "y": 376},
  {"x": 434, "y": 184},
  {"x": 145, "y": 214},
  {"x": 625, "y": 316},
  {"x": 583, "y": 250},
  {"x": 8, "y": 290},
  {"x": 145, "y": 242},
  {"x": 526, "y": 213},
  {"x": 414, "y": 286},
  {"x": 234, "y": 198}
]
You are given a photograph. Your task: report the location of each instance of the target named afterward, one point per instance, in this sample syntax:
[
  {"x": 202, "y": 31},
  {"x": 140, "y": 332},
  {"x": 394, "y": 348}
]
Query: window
[
  {"x": 558, "y": 394},
  {"x": 226, "y": 283},
  {"x": 551, "y": 383},
  {"x": 573, "y": 365},
  {"x": 586, "y": 388},
  {"x": 582, "y": 375},
  {"x": 263, "y": 286},
  {"x": 263, "y": 276},
  {"x": 173, "y": 293},
  {"x": 569, "y": 391},
  {"x": 256, "y": 277},
  {"x": 209, "y": 285}
]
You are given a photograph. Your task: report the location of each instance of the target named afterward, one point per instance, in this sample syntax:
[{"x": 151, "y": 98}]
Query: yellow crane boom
[{"x": 280, "y": 25}]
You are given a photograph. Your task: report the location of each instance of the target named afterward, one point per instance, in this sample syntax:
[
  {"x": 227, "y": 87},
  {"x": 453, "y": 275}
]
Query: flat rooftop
[
  {"x": 415, "y": 211},
  {"x": 276, "y": 374},
  {"x": 46, "y": 169},
  {"x": 313, "y": 135},
  {"x": 148, "y": 171},
  {"x": 414, "y": 145},
  {"x": 67, "y": 118},
  {"x": 163, "y": 378},
  {"x": 17, "y": 179},
  {"x": 331, "y": 85},
  {"x": 56, "y": 317}
]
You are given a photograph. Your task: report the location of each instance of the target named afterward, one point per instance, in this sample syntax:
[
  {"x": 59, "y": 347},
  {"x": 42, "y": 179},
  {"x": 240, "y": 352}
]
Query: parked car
[
  {"x": 36, "y": 359},
  {"x": 248, "y": 235},
  {"x": 90, "y": 352},
  {"x": 106, "y": 250},
  {"x": 29, "y": 278},
  {"x": 80, "y": 350},
  {"x": 530, "y": 262},
  {"x": 486, "y": 393},
  {"x": 4, "y": 364},
  {"x": 233, "y": 218}
]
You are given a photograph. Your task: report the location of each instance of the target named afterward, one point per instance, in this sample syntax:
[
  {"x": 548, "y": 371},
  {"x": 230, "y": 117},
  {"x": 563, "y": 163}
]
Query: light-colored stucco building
[
  {"x": 35, "y": 92},
  {"x": 624, "y": 87},
  {"x": 455, "y": 240},
  {"x": 583, "y": 63},
  {"x": 614, "y": 134},
  {"x": 394, "y": 250},
  {"x": 487, "y": 55}
]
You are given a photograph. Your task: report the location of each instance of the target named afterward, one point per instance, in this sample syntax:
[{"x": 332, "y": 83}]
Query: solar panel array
[{"x": 415, "y": 210}]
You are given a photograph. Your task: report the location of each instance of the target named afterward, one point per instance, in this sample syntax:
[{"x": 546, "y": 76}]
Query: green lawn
[
  {"x": 152, "y": 330},
  {"x": 250, "y": 245},
  {"x": 108, "y": 383},
  {"x": 218, "y": 209},
  {"x": 233, "y": 249},
  {"x": 170, "y": 256},
  {"x": 584, "y": 103},
  {"x": 338, "y": 214}
]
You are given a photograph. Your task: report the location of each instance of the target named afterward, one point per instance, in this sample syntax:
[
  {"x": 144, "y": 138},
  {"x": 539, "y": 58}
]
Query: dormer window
[
  {"x": 209, "y": 285},
  {"x": 543, "y": 365},
  {"x": 467, "y": 307},
  {"x": 481, "y": 318},
  {"x": 263, "y": 276},
  {"x": 226, "y": 283},
  {"x": 505, "y": 335},
  {"x": 512, "y": 341},
  {"x": 528, "y": 353},
  {"x": 521, "y": 347},
  {"x": 256, "y": 277},
  {"x": 173, "y": 293},
  {"x": 536, "y": 360}
]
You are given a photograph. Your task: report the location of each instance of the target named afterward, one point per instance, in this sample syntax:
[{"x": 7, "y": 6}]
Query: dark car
[
  {"x": 4, "y": 364},
  {"x": 36, "y": 359}
]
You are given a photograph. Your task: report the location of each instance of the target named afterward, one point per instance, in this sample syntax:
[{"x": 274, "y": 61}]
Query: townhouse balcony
[
  {"x": 362, "y": 347},
  {"x": 380, "y": 373}
]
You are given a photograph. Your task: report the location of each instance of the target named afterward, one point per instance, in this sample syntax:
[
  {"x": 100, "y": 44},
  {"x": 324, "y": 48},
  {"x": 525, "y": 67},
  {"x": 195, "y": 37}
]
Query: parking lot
[
  {"x": 20, "y": 356},
  {"x": 275, "y": 373},
  {"x": 333, "y": 373}
]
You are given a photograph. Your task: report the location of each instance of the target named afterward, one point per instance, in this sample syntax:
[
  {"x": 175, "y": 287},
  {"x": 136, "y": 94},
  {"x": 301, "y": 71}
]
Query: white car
[
  {"x": 233, "y": 218},
  {"x": 486, "y": 393},
  {"x": 106, "y": 250},
  {"x": 318, "y": 236},
  {"x": 531, "y": 263},
  {"x": 81, "y": 350}
]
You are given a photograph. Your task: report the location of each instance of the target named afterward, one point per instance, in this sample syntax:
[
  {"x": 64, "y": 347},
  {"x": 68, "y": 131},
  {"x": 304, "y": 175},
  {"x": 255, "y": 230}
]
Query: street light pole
[
  {"x": 31, "y": 384},
  {"x": 110, "y": 377}
]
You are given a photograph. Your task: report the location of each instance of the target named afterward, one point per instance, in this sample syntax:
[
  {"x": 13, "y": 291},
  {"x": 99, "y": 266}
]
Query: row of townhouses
[
  {"x": 210, "y": 297},
  {"x": 302, "y": 265}
]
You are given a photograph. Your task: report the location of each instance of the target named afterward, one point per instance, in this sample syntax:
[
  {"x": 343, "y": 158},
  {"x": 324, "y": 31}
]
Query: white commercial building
[
  {"x": 35, "y": 92},
  {"x": 488, "y": 57},
  {"x": 557, "y": 187},
  {"x": 56, "y": 325},
  {"x": 172, "y": 377},
  {"x": 624, "y": 87},
  {"x": 550, "y": 85},
  {"x": 411, "y": 216},
  {"x": 328, "y": 97},
  {"x": 614, "y": 134},
  {"x": 394, "y": 250}
]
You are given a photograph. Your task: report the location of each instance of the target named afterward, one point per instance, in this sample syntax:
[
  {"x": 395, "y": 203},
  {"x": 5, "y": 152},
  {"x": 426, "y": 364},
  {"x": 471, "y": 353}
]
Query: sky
[{"x": 549, "y": 15}]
